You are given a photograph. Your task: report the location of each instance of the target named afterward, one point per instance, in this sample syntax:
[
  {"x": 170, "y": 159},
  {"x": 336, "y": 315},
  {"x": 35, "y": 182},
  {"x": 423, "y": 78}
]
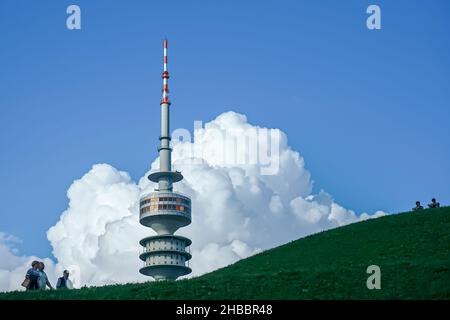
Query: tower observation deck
[{"x": 165, "y": 255}]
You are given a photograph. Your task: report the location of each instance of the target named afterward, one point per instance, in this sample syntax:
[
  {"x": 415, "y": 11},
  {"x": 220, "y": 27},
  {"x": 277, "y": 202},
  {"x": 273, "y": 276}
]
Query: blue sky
[{"x": 368, "y": 110}]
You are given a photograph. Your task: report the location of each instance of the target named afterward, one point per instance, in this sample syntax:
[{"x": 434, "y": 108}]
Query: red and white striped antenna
[{"x": 165, "y": 76}]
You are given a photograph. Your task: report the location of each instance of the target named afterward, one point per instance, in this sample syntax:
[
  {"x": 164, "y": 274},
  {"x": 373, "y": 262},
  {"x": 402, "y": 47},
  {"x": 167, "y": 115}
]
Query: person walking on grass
[
  {"x": 43, "y": 279},
  {"x": 32, "y": 276},
  {"x": 64, "y": 282}
]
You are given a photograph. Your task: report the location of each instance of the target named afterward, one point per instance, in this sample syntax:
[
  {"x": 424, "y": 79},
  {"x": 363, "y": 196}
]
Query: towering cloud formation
[{"x": 238, "y": 209}]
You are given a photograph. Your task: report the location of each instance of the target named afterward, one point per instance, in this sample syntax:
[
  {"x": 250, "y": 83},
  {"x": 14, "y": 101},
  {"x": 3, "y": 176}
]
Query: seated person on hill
[
  {"x": 418, "y": 206},
  {"x": 434, "y": 204}
]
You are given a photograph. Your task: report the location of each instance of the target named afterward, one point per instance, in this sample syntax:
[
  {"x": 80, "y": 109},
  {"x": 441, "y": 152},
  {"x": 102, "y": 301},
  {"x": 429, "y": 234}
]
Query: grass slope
[{"x": 412, "y": 250}]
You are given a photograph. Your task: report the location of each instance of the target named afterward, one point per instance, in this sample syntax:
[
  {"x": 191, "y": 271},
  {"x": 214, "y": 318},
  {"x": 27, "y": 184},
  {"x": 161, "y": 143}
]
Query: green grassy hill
[{"x": 412, "y": 250}]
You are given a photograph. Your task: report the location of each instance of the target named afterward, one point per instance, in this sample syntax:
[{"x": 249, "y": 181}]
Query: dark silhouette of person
[
  {"x": 418, "y": 206},
  {"x": 63, "y": 282},
  {"x": 434, "y": 204},
  {"x": 33, "y": 276}
]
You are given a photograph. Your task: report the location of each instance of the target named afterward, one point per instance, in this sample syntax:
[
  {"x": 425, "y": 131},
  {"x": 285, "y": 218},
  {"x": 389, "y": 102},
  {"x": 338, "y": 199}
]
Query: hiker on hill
[
  {"x": 32, "y": 276},
  {"x": 64, "y": 282},
  {"x": 434, "y": 204},
  {"x": 418, "y": 206},
  {"x": 43, "y": 279}
]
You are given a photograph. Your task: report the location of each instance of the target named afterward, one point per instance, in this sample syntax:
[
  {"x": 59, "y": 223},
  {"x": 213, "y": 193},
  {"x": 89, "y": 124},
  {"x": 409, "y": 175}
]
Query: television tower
[{"x": 165, "y": 255}]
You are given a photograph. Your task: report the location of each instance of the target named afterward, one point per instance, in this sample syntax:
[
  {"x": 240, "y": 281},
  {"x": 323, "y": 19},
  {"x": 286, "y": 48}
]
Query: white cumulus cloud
[{"x": 237, "y": 210}]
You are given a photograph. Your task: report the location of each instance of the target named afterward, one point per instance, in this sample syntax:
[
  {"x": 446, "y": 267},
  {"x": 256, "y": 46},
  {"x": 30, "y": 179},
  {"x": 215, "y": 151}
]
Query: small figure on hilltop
[
  {"x": 64, "y": 282},
  {"x": 434, "y": 204},
  {"x": 43, "y": 279},
  {"x": 418, "y": 206}
]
